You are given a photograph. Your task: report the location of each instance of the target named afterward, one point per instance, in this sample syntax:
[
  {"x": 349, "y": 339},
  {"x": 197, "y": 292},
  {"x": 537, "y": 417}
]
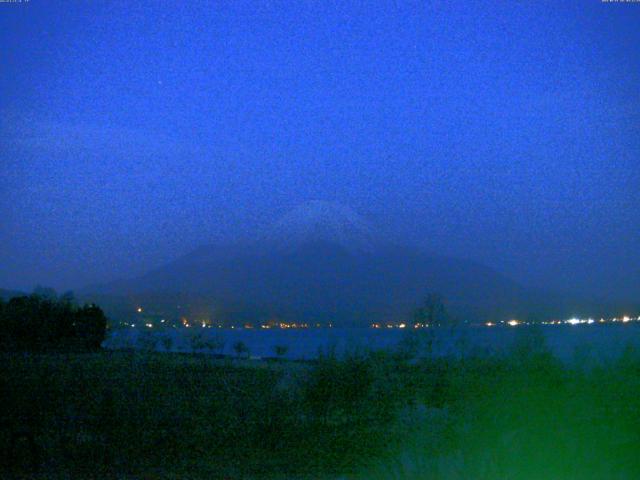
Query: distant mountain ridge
[{"x": 322, "y": 262}]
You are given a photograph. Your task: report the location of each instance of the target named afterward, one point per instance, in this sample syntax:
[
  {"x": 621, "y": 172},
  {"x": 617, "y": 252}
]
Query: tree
[
  {"x": 147, "y": 341},
  {"x": 197, "y": 342},
  {"x": 241, "y": 349},
  {"x": 217, "y": 344},
  {"x": 432, "y": 312},
  {"x": 91, "y": 326},
  {"x": 68, "y": 298},
  {"x": 42, "y": 321},
  {"x": 281, "y": 350},
  {"x": 167, "y": 342},
  {"x": 45, "y": 292}
]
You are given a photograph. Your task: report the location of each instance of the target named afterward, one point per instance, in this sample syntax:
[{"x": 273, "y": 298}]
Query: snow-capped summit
[{"x": 322, "y": 221}]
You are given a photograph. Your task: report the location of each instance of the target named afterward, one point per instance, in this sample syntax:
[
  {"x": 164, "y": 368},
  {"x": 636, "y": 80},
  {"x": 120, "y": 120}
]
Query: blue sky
[{"x": 505, "y": 132}]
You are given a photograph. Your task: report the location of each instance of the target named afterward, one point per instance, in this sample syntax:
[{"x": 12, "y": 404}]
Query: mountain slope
[
  {"x": 322, "y": 262},
  {"x": 322, "y": 281}
]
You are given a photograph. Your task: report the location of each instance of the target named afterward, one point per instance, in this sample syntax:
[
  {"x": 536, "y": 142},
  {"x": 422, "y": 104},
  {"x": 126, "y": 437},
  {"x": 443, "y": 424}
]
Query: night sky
[{"x": 504, "y": 132}]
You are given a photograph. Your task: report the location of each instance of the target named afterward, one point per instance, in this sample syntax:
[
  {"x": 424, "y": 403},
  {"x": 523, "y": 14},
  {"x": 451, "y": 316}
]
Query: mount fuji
[
  {"x": 322, "y": 262},
  {"x": 320, "y": 221}
]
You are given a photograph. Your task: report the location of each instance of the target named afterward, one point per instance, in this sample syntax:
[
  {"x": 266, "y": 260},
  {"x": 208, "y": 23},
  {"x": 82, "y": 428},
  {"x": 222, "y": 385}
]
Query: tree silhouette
[
  {"x": 42, "y": 321},
  {"x": 241, "y": 349},
  {"x": 90, "y": 326},
  {"x": 281, "y": 350},
  {"x": 432, "y": 312}
]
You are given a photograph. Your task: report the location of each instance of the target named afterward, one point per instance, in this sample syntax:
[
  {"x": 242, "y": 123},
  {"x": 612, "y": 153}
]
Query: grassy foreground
[{"x": 373, "y": 415}]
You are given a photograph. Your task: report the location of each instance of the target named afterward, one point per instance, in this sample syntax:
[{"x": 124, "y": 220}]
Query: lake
[{"x": 565, "y": 341}]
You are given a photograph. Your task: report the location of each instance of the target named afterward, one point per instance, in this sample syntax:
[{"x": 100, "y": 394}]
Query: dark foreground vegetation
[
  {"x": 522, "y": 415},
  {"x": 43, "y": 322}
]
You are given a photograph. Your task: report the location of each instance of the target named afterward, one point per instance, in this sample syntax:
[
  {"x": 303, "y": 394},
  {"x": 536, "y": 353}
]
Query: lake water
[{"x": 565, "y": 341}]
